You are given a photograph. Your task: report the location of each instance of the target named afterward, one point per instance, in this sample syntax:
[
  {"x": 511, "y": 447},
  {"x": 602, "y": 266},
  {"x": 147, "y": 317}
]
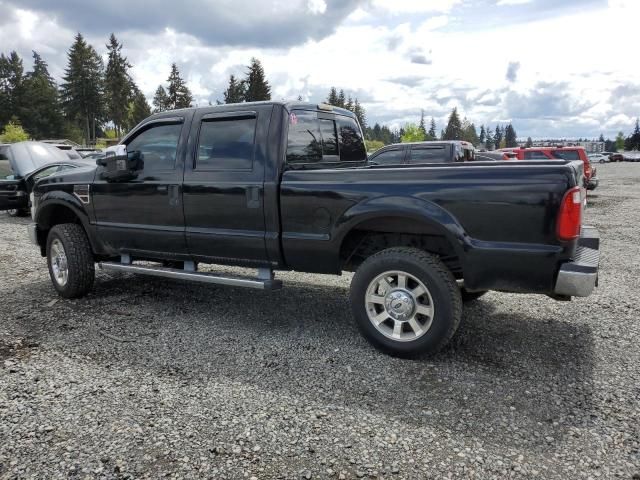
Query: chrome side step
[{"x": 264, "y": 281}]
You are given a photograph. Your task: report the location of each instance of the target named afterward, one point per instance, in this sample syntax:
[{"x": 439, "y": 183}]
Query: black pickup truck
[
  {"x": 286, "y": 186},
  {"x": 417, "y": 153}
]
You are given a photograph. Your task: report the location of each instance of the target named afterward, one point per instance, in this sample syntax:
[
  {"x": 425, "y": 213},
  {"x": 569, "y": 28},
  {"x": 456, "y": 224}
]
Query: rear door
[
  {"x": 13, "y": 192},
  {"x": 224, "y": 184}
]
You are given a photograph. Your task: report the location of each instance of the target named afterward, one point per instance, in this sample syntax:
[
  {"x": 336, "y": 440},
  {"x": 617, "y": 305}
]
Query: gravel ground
[{"x": 147, "y": 377}]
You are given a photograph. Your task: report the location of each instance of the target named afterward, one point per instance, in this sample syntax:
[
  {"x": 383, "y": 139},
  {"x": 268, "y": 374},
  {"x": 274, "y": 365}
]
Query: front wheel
[
  {"x": 405, "y": 301},
  {"x": 70, "y": 260}
]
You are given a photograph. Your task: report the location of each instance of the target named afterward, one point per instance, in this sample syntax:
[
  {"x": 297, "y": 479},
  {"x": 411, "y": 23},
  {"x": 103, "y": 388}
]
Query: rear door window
[
  {"x": 436, "y": 154},
  {"x": 388, "y": 157},
  {"x": 226, "y": 144}
]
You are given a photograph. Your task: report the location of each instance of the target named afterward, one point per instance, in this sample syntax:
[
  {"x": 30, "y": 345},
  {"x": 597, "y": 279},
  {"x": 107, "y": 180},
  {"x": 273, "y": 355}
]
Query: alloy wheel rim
[
  {"x": 59, "y": 265},
  {"x": 399, "y": 306}
]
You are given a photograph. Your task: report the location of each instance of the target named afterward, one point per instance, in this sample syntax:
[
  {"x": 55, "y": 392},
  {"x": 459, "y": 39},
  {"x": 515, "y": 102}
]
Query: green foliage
[
  {"x": 178, "y": 94},
  {"x": 72, "y": 131},
  {"x": 620, "y": 142},
  {"x": 236, "y": 91},
  {"x": 529, "y": 142},
  {"x": 110, "y": 133},
  {"x": 137, "y": 110},
  {"x": 257, "y": 87},
  {"x": 373, "y": 145},
  {"x": 160, "y": 100},
  {"x": 13, "y": 132},
  {"x": 83, "y": 89},
  {"x": 332, "y": 99},
  {"x": 431, "y": 134},
  {"x": 412, "y": 133},
  {"x": 382, "y": 133},
  {"x": 11, "y": 86},
  {"x": 469, "y": 132},
  {"x": 498, "y": 137},
  {"x": 489, "y": 142},
  {"x": 453, "y": 131},
  {"x": 118, "y": 85},
  {"x": 510, "y": 136},
  {"x": 422, "y": 125},
  {"x": 483, "y": 135}
]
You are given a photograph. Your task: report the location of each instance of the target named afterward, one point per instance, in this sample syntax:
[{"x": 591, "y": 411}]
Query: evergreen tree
[
  {"x": 431, "y": 134},
  {"x": 82, "y": 90},
  {"x": 137, "y": 110},
  {"x": 498, "y": 136},
  {"x": 160, "y": 100},
  {"x": 483, "y": 135},
  {"x": 257, "y": 86},
  {"x": 235, "y": 92},
  {"x": 510, "y": 136},
  {"x": 349, "y": 105},
  {"x": 11, "y": 86},
  {"x": 332, "y": 99},
  {"x": 117, "y": 85},
  {"x": 634, "y": 140},
  {"x": 620, "y": 142},
  {"x": 469, "y": 132},
  {"x": 489, "y": 142},
  {"x": 41, "y": 112},
  {"x": 178, "y": 94},
  {"x": 358, "y": 109},
  {"x": 453, "y": 131},
  {"x": 341, "y": 99},
  {"x": 529, "y": 142},
  {"x": 422, "y": 125},
  {"x": 601, "y": 139}
]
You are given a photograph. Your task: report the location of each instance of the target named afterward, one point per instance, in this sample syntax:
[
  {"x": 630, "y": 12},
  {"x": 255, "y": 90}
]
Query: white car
[{"x": 598, "y": 157}]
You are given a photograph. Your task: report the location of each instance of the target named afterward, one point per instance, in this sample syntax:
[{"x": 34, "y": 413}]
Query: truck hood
[{"x": 25, "y": 157}]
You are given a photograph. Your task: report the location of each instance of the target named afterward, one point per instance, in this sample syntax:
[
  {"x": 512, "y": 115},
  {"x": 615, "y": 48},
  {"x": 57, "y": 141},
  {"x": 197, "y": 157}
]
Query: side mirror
[{"x": 119, "y": 164}]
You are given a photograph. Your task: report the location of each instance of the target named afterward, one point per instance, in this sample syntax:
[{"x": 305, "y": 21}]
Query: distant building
[{"x": 590, "y": 147}]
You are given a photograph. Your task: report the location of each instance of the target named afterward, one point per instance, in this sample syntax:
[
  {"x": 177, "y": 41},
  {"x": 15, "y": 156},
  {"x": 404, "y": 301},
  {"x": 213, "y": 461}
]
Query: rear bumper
[
  {"x": 579, "y": 277},
  {"x": 32, "y": 229}
]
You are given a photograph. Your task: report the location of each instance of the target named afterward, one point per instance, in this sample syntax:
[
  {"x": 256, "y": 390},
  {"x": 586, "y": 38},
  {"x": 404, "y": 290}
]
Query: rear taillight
[
  {"x": 570, "y": 216},
  {"x": 587, "y": 170}
]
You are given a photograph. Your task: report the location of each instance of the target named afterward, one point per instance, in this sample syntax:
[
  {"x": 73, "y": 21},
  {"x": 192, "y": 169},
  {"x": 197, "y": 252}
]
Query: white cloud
[
  {"x": 501, "y": 3},
  {"x": 415, "y": 6}
]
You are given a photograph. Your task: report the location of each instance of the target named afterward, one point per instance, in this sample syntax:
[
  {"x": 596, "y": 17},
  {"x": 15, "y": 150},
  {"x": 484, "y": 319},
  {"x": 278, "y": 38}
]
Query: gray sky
[{"x": 555, "y": 68}]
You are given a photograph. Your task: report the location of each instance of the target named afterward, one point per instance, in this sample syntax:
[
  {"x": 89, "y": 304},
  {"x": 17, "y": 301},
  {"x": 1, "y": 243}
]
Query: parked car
[
  {"x": 616, "y": 157},
  {"x": 598, "y": 158},
  {"x": 287, "y": 186},
  {"x": 70, "y": 151},
  {"x": 424, "y": 152},
  {"x": 494, "y": 155},
  {"x": 559, "y": 153},
  {"x": 632, "y": 156},
  {"x": 21, "y": 165}
]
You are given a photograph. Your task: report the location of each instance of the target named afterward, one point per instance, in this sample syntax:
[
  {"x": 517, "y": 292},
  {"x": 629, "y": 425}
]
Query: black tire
[
  {"x": 471, "y": 296},
  {"x": 442, "y": 287},
  {"x": 79, "y": 260}
]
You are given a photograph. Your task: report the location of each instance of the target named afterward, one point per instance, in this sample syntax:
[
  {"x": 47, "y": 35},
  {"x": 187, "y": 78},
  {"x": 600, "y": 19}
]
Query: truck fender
[{"x": 421, "y": 213}]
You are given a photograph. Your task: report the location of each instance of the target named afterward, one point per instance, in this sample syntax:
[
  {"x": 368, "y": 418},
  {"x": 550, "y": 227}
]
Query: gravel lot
[{"x": 148, "y": 377}]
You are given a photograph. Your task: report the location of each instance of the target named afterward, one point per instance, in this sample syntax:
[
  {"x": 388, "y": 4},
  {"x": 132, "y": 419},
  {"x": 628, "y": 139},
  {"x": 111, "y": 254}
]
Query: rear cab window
[
  {"x": 566, "y": 154},
  {"x": 323, "y": 138}
]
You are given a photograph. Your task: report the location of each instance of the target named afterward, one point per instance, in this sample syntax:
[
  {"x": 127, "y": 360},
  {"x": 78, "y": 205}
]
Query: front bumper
[
  {"x": 32, "y": 228},
  {"x": 579, "y": 277}
]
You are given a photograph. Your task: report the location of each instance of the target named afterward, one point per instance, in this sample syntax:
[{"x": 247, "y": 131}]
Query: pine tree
[
  {"x": 483, "y": 135},
  {"x": 341, "y": 99},
  {"x": 469, "y": 132},
  {"x": 489, "y": 142},
  {"x": 601, "y": 139},
  {"x": 117, "y": 85},
  {"x": 431, "y": 134},
  {"x": 634, "y": 142},
  {"x": 358, "y": 109},
  {"x": 349, "y": 105},
  {"x": 529, "y": 143},
  {"x": 332, "y": 99},
  {"x": 137, "y": 110},
  {"x": 422, "y": 125},
  {"x": 510, "y": 136},
  {"x": 83, "y": 89},
  {"x": 41, "y": 112},
  {"x": 178, "y": 94},
  {"x": 258, "y": 88},
  {"x": 160, "y": 100},
  {"x": 11, "y": 86},
  {"x": 498, "y": 136},
  {"x": 235, "y": 92},
  {"x": 453, "y": 131}
]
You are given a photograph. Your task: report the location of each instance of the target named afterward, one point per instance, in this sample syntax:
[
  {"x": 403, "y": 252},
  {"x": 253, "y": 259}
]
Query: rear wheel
[
  {"x": 405, "y": 301},
  {"x": 70, "y": 260}
]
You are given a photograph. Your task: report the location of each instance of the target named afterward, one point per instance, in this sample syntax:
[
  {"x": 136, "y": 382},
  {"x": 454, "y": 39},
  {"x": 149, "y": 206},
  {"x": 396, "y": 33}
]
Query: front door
[
  {"x": 144, "y": 216},
  {"x": 224, "y": 185}
]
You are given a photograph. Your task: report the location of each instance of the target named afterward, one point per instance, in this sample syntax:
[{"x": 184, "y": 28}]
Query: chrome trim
[
  {"x": 32, "y": 230},
  {"x": 579, "y": 277},
  {"x": 258, "y": 283}
]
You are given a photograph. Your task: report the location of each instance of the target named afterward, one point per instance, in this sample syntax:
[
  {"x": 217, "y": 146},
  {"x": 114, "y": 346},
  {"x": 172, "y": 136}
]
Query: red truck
[{"x": 558, "y": 153}]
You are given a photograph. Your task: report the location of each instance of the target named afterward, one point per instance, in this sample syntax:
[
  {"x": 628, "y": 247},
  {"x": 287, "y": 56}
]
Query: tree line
[{"x": 90, "y": 96}]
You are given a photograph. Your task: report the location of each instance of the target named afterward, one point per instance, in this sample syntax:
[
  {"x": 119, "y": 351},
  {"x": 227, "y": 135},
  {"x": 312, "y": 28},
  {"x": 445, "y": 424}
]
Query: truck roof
[{"x": 286, "y": 104}]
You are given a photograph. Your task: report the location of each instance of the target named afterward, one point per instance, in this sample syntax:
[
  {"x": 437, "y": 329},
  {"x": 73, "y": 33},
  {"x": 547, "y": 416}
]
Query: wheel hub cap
[
  {"x": 59, "y": 264},
  {"x": 399, "y": 304}
]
